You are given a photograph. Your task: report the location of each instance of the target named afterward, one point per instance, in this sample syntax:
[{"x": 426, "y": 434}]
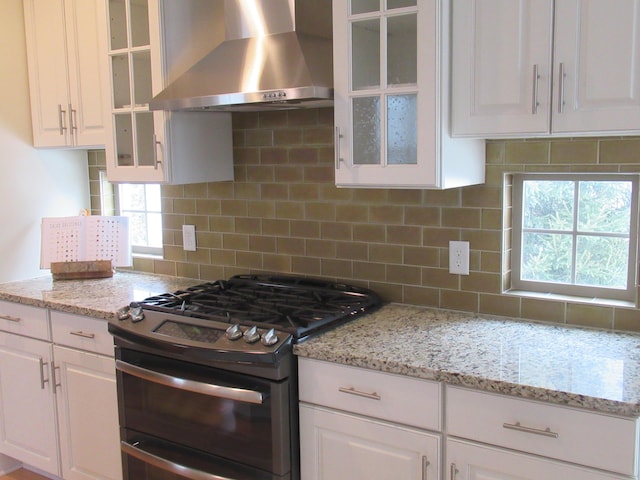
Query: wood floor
[{"x": 23, "y": 474}]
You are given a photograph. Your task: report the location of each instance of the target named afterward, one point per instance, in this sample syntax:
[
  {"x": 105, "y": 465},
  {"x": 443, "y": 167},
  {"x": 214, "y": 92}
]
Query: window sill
[
  {"x": 154, "y": 256},
  {"x": 605, "y": 302}
]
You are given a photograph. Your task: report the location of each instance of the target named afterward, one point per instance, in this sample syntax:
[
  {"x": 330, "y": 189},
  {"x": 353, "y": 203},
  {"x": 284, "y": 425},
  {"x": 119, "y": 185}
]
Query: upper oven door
[{"x": 237, "y": 417}]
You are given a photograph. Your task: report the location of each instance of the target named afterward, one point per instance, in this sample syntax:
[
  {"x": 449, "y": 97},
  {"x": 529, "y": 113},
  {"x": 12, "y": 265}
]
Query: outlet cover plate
[{"x": 459, "y": 258}]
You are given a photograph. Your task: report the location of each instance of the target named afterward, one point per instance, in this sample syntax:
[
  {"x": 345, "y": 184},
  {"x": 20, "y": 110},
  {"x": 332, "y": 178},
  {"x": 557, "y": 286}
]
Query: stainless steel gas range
[{"x": 207, "y": 381}]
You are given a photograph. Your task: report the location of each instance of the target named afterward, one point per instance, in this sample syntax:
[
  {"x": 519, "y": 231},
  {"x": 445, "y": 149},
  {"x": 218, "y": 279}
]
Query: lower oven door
[{"x": 237, "y": 418}]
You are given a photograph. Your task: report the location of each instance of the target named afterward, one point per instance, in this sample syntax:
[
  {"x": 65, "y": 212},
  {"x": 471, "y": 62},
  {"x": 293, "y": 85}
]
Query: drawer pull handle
[
  {"x": 358, "y": 393},
  {"x": 10, "y": 318},
  {"x": 516, "y": 426},
  {"x": 80, "y": 333}
]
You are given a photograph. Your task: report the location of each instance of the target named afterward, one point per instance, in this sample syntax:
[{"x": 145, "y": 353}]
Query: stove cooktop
[{"x": 297, "y": 305}]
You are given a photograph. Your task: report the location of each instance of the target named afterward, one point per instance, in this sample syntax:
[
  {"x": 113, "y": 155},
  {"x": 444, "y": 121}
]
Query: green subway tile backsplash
[{"x": 283, "y": 214}]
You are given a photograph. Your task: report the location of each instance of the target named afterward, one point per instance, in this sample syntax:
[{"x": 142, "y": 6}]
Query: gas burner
[{"x": 297, "y": 305}]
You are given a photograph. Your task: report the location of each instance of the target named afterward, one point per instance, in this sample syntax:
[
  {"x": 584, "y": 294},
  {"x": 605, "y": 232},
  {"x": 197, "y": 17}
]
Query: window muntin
[{"x": 575, "y": 234}]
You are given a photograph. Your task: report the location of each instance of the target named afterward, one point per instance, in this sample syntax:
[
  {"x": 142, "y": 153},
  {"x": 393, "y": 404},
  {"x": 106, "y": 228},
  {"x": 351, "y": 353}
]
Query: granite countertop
[
  {"x": 98, "y": 298},
  {"x": 578, "y": 367}
]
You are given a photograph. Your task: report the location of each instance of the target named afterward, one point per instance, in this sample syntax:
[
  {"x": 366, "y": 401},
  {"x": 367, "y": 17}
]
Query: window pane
[
  {"x": 137, "y": 228},
  {"x": 153, "y": 198},
  {"x": 400, "y": 3},
  {"x": 139, "y": 23},
  {"x": 402, "y": 136},
  {"x": 602, "y": 261},
  {"x": 364, "y": 6},
  {"x": 402, "y": 50},
  {"x": 604, "y": 207},
  {"x": 548, "y": 205},
  {"x": 365, "y": 70},
  {"x": 132, "y": 197},
  {"x": 154, "y": 230},
  {"x": 124, "y": 140},
  {"x": 546, "y": 257},
  {"x": 366, "y": 131}
]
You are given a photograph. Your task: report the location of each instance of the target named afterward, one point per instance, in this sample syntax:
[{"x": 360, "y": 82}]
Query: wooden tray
[{"x": 78, "y": 270}]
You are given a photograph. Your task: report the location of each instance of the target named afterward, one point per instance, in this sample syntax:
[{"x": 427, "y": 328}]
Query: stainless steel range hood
[{"x": 277, "y": 55}]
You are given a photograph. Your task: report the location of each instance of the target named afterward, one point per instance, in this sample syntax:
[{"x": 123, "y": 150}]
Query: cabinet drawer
[
  {"x": 24, "y": 320},
  {"x": 366, "y": 392},
  {"x": 81, "y": 332},
  {"x": 573, "y": 435}
]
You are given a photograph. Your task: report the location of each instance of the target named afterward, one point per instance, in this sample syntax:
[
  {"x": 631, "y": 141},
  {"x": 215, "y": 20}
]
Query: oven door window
[{"x": 238, "y": 417}]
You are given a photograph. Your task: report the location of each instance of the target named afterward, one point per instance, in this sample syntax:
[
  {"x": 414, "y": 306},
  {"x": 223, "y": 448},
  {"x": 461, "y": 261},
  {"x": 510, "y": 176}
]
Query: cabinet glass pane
[
  {"x": 139, "y": 23},
  {"x": 120, "y": 73},
  {"x": 365, "y": 37},
  {"x": 366, "y": 131},
  {"x": 391, "y": 4},
  {"x": 364, "y": 6},
  {"x": 118, "y": 24},
  {"x": 124, "y": 140},
  {"x": 145, "y": 139},
  {"x": 402, "y": 50},
  {"x": 402, "y": 135},
  {"x": 141, "y": 77}
]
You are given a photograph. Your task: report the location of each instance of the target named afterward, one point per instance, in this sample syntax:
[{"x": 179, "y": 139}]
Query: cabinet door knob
[{"x": 10, "y": 318}]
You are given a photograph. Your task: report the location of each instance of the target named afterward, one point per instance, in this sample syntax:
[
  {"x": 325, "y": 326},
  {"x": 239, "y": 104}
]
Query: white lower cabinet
[
  {"x": 58, "y": 402},
  {"x": 87, "y": 415},
  {"x": 469, "y": 461},
  {"x": 540, "y": 438},
  {"x": 28, "y": 428},
  {"x": 337, "y": 445},
  {"x": 358, "y": 424}
]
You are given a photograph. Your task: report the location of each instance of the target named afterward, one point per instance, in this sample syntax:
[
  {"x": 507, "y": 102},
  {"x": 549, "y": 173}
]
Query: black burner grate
[{"x": 293, "y": 304}]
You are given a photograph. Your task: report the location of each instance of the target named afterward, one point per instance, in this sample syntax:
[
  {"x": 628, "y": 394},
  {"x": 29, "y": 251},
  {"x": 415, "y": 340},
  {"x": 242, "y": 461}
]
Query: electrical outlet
[
  {"x": 459, "y": 257},
  {"x": 189, "y": 238}
]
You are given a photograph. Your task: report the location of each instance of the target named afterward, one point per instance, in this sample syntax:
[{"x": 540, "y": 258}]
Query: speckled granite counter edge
[{"x": 331, "y": 351}]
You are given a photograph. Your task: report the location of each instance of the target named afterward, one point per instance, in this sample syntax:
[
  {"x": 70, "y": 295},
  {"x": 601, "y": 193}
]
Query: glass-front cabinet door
[
  {"x": 137, "y": 153},
  {"x": 391, "y": 74},
  {"x": 377, "y": 91},
  {"x": 151, "y": 43}
]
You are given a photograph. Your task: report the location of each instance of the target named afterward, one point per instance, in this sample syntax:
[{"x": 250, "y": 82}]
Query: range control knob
[
  {"x": 137, "y": 314},
  {"x": 269, "y": 338},
  {"x": 233, "y": 332},
  {"x": 251, "y": 335}
]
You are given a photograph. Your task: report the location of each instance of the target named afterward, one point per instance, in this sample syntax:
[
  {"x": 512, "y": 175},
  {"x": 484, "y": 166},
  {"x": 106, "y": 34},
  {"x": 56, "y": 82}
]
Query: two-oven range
[{"x": 206, "y": 377}]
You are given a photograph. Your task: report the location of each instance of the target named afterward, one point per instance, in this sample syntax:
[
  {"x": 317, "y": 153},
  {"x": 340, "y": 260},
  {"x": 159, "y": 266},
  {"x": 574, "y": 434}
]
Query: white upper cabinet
[
  {"x": 66, "y": 42},
  {"x": 596, "y": 67},
  {"x": 391, "y": 81},
  {"x": 151, "y": 42},
  {"x": 544, "y": 67}
]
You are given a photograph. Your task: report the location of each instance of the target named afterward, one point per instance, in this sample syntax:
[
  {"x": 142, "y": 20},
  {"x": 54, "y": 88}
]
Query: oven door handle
[
  {"x": 166, "y": 465},
  {"x": 231, "y": 393}
]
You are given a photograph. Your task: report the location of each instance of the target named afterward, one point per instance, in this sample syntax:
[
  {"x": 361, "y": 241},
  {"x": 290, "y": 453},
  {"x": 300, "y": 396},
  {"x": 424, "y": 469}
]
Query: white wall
[{"x": 33, "y": 183}]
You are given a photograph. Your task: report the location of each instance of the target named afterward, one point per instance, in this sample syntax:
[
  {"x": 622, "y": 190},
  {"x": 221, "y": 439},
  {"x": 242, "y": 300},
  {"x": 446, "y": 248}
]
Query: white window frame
[{"x": 517, "y": 284}]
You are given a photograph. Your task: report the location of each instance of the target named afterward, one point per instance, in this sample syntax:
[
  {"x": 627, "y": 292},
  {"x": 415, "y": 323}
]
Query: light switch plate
[{"x": 189, "y": 238}]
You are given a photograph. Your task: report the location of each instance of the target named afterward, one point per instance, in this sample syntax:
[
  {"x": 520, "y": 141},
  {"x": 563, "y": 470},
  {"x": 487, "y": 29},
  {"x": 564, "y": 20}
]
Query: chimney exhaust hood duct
[{"x": 277, "y": 55}]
